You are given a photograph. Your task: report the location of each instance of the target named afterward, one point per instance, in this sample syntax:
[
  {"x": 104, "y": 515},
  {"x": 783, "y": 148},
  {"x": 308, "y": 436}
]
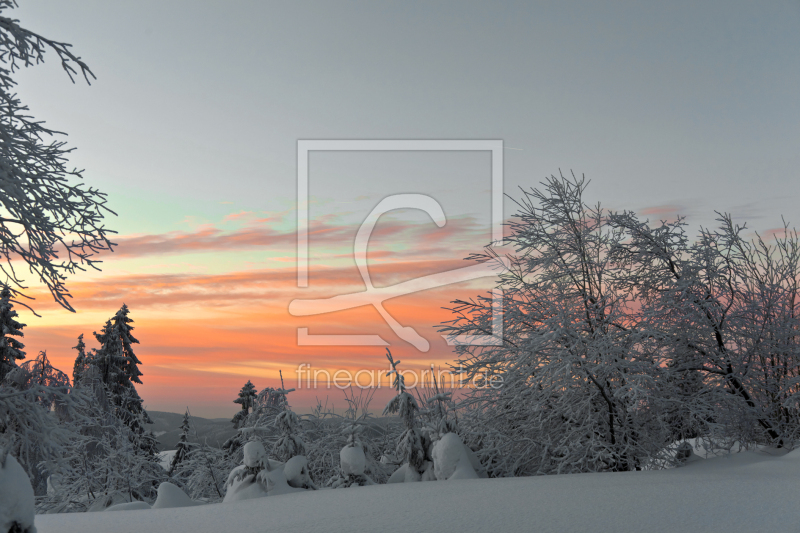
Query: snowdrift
[{"x": 744, "y": 492}]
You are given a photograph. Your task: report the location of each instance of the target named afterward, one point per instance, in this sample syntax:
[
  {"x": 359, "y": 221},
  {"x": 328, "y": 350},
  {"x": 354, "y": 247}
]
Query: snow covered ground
[
  {"x": 744, "y": 492},
  {"x": 165, "y": 458}
]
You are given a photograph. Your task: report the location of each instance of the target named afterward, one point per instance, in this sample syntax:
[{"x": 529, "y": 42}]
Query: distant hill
[{"x": 166, "y": 426}]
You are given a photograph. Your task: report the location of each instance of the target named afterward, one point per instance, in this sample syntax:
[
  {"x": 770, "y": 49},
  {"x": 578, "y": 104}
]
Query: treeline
[{"x": 83, "y": 443}]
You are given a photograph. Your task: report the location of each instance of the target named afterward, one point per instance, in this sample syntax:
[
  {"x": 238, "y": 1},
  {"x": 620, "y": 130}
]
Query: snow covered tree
[
  {"x": 621, "y": 337},
  {"x": 353, "y": 459},
  {"x": 563, "y": 390},
  {"x": 412, "y": 446},
  {"x": 39, "y": 417},
  {"x": 104, "y": 466},
  {"x": 104, "y": 462},
  {"x": 39, "y": 373},
  {"x": 183, "y": 447},
  {"x": 10, "y": 347},
  {"x": 42, "y": 212},
  {"x": 81, "y": 361},
  {"x": 119, "y": 370},
  {"x": 246, "y": 399},
  {"x": 203, "y": 472},
  {"x": 725, "y": 311},
  {"x": 289, "y": 444}
]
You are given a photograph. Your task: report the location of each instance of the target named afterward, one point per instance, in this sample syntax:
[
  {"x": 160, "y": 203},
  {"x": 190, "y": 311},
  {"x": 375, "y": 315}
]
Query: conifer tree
[
  {"x": 80, "y": 361},
  {"x": 119, "y": 369},
  {"x": 411, "y": 447},
  {"x": 183, "y": 447},
  {"x": 10, "y": 347},
  {"x": 289, "y": 444},
  {"x": 246, "y": 399}
]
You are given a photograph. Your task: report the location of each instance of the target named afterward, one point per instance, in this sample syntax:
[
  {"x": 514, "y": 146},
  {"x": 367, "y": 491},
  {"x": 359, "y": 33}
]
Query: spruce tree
[
  {"x": 80, "y": 361},
  {"x": 412, "y": 445},
  {"x": 10, "y": 347},
  {"x": 247, "y": 397},
  {"x": 119, "y": 369},
  {"x": 183, "y": 447}
]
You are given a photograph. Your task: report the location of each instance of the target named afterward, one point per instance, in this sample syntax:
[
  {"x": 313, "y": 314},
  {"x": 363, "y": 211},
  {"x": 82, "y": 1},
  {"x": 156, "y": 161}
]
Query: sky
[{"x": 192, "y": 129}]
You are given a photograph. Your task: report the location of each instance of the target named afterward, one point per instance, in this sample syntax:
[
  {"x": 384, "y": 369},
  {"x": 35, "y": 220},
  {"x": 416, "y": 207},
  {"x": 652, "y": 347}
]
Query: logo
[{"x": 375, "y": 296}]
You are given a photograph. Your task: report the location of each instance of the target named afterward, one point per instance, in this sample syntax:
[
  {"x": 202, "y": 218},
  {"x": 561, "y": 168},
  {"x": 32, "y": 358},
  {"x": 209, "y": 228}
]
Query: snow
[
  {"x": 16, "y": 496},
  {"x": 165, "y": 458},
  {"x": 352, "y": 460},
  {"x": 746, "y": 492},
  {"x": 296, "y": 472},
  {"x": 129, "y": 506},
  {"x": 450, "y": 459},
  {"x": 170, "y": 496},
  {"x": 254, "y": 454},
  {"x": 242, "y": 486},
  {"x": 404, "y": 474}
]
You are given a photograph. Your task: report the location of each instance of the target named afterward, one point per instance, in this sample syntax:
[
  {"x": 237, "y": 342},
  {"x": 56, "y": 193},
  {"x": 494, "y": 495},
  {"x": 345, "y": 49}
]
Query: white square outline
[{"x": 495, "y": 146}]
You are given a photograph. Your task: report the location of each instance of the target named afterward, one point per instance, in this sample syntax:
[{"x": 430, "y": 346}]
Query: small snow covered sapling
[
  {"x": 352, "y": 460},
  {"x": 250, "y": 479},
  {"x": 411, "y": 446},
  {"x": 183, "y": 447},
  {"x": 289, "y": 444},
  {"x": 444, "y": 424}
]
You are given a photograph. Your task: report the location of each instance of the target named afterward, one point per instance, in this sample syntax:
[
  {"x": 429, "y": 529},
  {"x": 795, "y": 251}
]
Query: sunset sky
[{"x": 192, "y": 125}]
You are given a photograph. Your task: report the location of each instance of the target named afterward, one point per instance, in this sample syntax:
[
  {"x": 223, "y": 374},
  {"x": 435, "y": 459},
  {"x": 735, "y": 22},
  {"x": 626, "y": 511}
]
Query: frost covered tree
[
  {"x": 10, "y": 328},
  {"x": 725, "y": 311},
  {"x": 246, "y": 399},
  {"x": 563, "y": 390},
  {"x": 47, "y": 221},
  {"x": 81, "y": 360},
  {"x": 105, "y": 465},
  {"x": 353, "y": 459},
  {"x": 39, "y": 417},
  {"x": 412, "y": 446},
  {"x": 621, "y": 337},
  {"x": 289, "y": 444},
  {"x": 118, "y": 369},
  {"x": 183, "y": 447},
  {"x": 203, "y": 472}
]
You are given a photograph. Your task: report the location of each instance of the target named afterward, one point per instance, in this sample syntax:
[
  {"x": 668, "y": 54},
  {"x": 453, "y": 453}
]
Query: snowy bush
[
  {"x": 289, "y": 444},
  {"x": 259, "y": 476},
  {"x": 202, "y": 473}
]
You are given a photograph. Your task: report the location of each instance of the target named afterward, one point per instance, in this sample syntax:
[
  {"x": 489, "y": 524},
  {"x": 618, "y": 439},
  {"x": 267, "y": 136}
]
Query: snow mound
[
  {"x": 296, "y": 472},
  {"x": 170, "y": 496},
  {"x": 404, "y": 474},
  {"x": 254, "y": 454},
  {"x": 245, "y": 485},
  {"x": 450, "y": 459},
  {"x": 353, "y": 460},
  {"x": 105, "y": 501},
  {"x": 129, "y": 506},
  {"x": 16, "y": 497}
]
